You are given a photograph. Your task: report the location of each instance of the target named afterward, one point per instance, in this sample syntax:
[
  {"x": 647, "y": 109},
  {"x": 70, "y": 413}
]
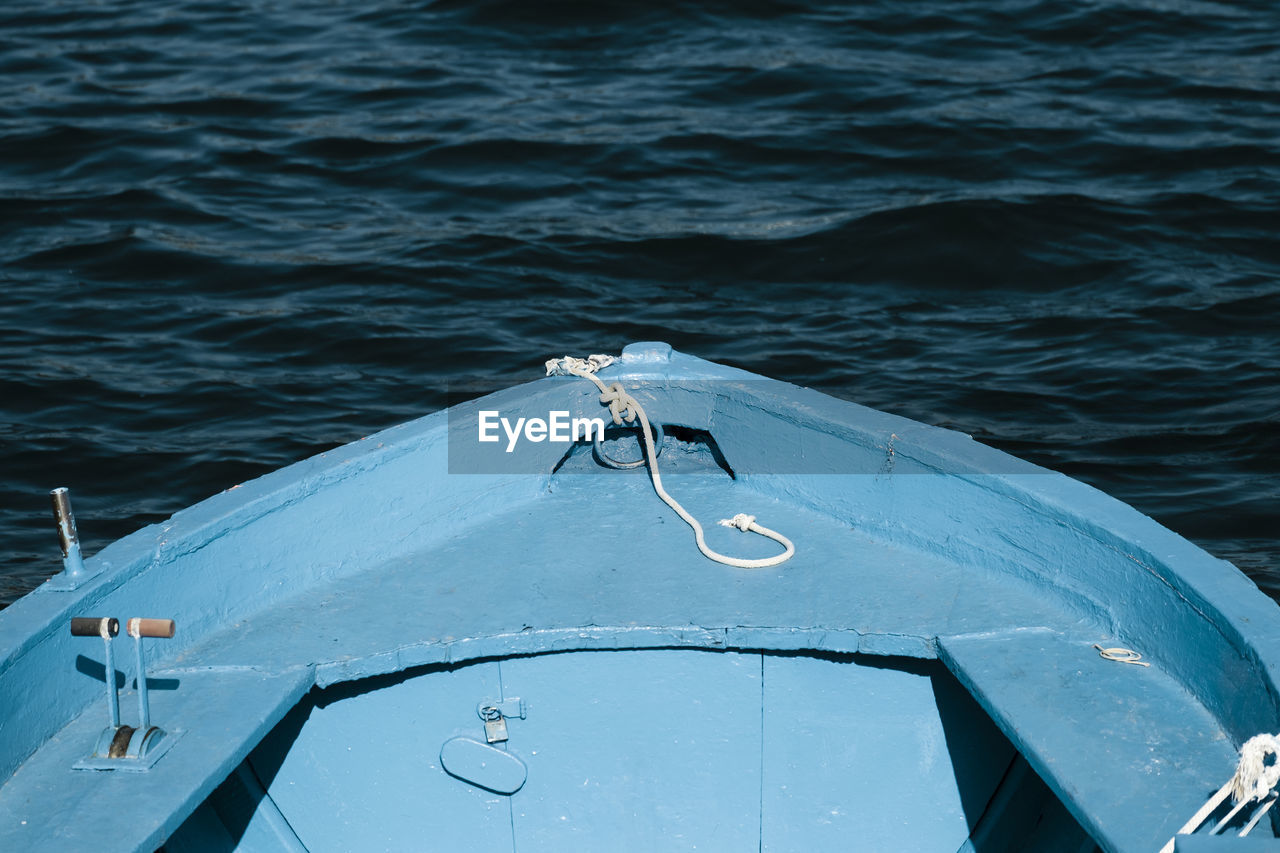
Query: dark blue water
[{"x": 236, "y": 234}]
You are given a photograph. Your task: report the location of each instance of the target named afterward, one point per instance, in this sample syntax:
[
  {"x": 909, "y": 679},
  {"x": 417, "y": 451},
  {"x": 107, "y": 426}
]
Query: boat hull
[{"x": 421, "y": 555}]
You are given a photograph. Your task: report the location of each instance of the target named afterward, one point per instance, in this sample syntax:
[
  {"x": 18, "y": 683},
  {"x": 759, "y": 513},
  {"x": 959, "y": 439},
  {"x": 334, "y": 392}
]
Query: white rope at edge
[
  {"x": 623, "y": 407},
  {"x": 1253, "y": 781}
]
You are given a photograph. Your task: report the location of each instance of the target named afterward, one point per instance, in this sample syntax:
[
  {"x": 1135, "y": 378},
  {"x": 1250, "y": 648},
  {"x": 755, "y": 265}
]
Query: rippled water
[{"x": 236, "y": 234}]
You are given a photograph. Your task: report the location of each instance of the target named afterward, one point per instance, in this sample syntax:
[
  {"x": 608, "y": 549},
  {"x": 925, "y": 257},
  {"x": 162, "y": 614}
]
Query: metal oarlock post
[
  {"x": 68, "y": 539},
  {"x": 106, "y": 628},
  {"x": 124, "y": 747},
  {"x": 139, "y": 628},
  {"x": 74, "y": 572}
]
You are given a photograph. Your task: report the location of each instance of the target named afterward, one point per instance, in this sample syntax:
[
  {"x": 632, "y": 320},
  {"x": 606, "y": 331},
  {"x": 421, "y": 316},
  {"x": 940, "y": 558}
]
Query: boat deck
[{"x": 600, "y": 563}]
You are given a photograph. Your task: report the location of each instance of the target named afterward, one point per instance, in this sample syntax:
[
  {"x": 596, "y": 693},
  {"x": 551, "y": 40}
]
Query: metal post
[
  {"x": 106, "y": 628},
  {"x": 113, "y": 699},
  {"x": 139, "y": 628},
  {"x": 68, "y": 539},
  {"x": 144, "y": 705}
]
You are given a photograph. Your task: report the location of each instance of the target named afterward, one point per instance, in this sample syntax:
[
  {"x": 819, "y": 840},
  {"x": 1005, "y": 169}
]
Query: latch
[{"x": 495, "y": 714}]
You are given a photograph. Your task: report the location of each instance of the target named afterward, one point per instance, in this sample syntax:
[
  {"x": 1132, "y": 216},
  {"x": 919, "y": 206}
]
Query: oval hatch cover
[{"x": 483, "y": 765}]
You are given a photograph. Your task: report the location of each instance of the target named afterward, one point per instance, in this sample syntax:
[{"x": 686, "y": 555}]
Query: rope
[
  {"x": 1121, "y": 655},
  {"x": 624, "y": 407},
  {"x": 1253, "y": 780}
]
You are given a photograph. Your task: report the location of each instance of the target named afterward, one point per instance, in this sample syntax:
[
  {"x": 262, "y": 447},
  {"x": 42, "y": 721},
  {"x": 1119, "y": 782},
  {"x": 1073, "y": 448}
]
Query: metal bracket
[
  {"x": 513, "y": 707},
  {"x": 140, "y": 749},
  {"x": 121, "y": 747}
]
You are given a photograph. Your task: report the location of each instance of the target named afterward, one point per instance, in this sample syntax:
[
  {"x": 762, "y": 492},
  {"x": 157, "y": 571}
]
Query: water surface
[{"x": 237, "y": 234}]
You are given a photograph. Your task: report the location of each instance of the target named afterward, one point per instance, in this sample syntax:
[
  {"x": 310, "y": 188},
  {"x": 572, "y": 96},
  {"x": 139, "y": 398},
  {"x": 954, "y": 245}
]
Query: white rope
[
  {"x": 624, "y": 407},
  {"x": 1121, "y": 655},
  {"x": 1253, "y": 780}
]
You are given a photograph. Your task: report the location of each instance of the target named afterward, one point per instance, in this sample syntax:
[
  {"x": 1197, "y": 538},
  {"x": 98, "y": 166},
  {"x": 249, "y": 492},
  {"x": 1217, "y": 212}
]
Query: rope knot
[
  {"x": 1253, "y": 780},
  {"x": 742, "y": 521},
  {"x": 570, "y": 366},
  {"x": 622, "y": 406},
  {"x": 1254, "y": 777}
]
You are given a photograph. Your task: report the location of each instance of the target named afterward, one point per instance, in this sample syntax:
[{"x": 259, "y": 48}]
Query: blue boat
[{"x": 515, "y": 625}]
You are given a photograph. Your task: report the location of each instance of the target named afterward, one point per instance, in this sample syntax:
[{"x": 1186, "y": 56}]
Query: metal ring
[{"x": 609, "y": 462}]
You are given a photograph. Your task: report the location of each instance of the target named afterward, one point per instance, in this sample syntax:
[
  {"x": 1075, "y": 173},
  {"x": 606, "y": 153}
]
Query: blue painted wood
[
  {"x": 1024, "y": 814},
  {"x": 637, "y": 751},
  {"x": 846, "y": 592},
  {"x": 205, "y": 832},
  {"x": 856, "y": 749},
  {"x": 236, "y": 817},
  {"x": 386, "y": 554},
  {"x": 47, "y": 806},
  {"x": 359, "y": 769},
  {"x": 483, "y": 765},
  {"x": 1098, "y": 731}
]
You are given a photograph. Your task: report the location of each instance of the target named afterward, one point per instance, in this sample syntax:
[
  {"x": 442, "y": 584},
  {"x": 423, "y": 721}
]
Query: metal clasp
[
  {"x": 495, "y": 725},
  {"x": 495, "y": 714}
]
